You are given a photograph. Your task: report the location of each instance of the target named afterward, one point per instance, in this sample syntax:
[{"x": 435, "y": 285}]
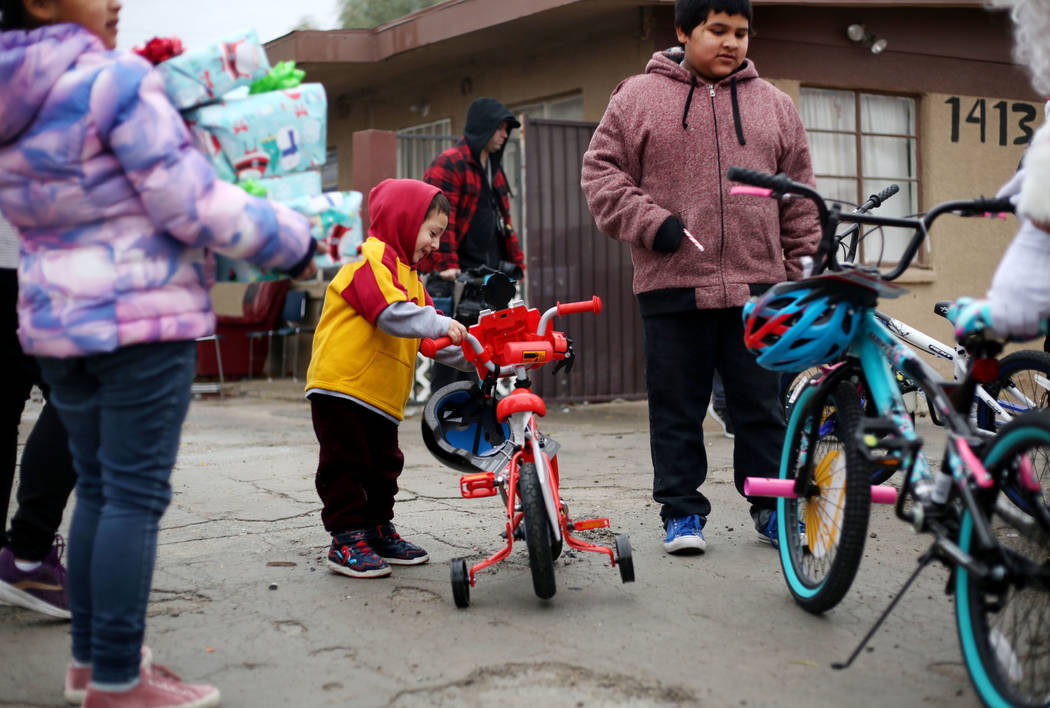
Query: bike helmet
[
  {"x": 796, "y": 325},
  {"x": 460, "y": 429}
]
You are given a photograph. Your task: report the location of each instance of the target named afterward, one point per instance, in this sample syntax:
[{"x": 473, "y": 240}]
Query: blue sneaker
[
  {"x": 684, "y": 535},
  {"x": 766, "y": 525}
]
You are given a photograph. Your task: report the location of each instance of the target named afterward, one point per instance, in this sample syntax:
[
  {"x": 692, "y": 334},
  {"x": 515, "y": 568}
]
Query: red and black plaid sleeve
[{"x": 449, "y": 172}]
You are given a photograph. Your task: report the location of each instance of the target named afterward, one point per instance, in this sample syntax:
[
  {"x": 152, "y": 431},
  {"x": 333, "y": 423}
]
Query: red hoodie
[{"x": 663, "y": 148}]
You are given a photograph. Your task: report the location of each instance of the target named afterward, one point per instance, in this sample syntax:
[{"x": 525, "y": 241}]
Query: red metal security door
[{"x": 568, "y": 259}]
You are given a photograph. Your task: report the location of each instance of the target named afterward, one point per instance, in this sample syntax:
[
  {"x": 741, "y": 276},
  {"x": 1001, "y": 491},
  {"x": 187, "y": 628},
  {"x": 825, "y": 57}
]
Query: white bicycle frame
[{"x": 957, "y": 355}]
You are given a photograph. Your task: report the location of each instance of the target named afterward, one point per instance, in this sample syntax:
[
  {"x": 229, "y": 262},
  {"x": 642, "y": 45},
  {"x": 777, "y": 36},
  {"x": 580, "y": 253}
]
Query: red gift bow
[{"x": 160, "y": 49}]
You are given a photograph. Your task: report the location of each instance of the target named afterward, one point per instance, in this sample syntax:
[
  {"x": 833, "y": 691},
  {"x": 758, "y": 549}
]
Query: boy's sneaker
[
  {"x": 766, "y": 525},
  {"x": 78, "y": 677},
  {"x": 157, "y": 688},
  {"x": 389, "y": 545},
  {"x": 351, "y": 555},
  {"x": 43, "y": 590},
  {"x": 684, "y": 535},
  {"x": 721, "y": 416}
]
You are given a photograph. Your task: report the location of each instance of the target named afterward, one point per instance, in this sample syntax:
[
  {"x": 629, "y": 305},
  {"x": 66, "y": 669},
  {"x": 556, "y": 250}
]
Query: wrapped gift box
[
  {"x": 289, "y": 187},
  {"x": 265, "y": 135},
  {"x": 201, "y": 76},
  {"x": 335, "y": 221}
]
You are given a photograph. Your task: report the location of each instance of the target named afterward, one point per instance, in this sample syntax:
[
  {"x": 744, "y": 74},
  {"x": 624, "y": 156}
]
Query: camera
[{"x": 476, "y": 289}]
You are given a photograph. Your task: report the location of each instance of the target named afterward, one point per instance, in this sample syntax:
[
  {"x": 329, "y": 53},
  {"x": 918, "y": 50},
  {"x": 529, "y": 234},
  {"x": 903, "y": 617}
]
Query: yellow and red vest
[{"x": 351, "y": 354}]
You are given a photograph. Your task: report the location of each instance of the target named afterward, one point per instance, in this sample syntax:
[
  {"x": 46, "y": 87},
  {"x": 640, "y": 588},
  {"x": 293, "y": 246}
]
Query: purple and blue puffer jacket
[{"x": 114, "y": 207}]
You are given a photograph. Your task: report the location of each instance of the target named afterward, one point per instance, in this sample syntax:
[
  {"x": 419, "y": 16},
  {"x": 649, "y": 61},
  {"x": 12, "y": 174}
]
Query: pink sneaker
[
  {"x": 77, "y": 678},
  {"x": 157, "y": 688}
]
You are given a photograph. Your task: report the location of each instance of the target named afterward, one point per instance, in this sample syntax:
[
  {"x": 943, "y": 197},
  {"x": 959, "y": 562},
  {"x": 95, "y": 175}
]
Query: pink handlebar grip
[
  {"x": 881, "y": 494},
  {"x": 753, "y": 191},
  {"x": 769, "y": 487},
  {"x": 774, "y": 487},
  {"x": 593, "y": 305},
  {"x": 428, "y": 347}
]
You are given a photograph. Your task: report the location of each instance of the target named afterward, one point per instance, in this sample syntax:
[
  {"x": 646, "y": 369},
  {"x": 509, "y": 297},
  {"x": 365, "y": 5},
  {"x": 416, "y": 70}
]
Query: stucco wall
[
  {"x": 593, "y": 61},
  {"x": 963, "y": 252}
]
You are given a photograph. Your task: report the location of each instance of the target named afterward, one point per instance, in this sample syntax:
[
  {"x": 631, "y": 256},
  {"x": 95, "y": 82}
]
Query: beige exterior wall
[
  {"x": 963, "y": 253},
  {"x": 592, "y": 66}
]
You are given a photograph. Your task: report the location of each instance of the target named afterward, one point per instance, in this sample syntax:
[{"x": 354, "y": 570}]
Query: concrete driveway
[{"x": 241, "y": 598}]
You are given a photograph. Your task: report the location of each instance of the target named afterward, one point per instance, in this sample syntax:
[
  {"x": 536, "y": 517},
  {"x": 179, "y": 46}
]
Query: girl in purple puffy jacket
[{"x": 114, "y": 210}]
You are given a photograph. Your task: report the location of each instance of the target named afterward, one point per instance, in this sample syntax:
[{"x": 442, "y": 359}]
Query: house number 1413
[{"x": 1018, "y": 115}]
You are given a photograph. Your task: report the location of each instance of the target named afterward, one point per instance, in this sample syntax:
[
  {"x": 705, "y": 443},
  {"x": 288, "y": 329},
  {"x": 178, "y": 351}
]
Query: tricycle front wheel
[{"x": 537, "y": 531}]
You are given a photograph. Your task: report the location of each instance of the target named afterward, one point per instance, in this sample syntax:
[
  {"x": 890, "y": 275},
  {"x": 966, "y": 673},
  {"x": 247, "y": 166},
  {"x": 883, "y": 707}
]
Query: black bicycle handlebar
[
  {"x": 853, "y": 232},
  {"x": 781, "y": 185}
]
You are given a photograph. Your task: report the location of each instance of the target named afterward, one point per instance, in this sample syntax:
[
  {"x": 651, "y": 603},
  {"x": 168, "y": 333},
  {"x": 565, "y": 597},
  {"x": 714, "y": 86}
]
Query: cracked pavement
[{"x": 241, "y": 597}]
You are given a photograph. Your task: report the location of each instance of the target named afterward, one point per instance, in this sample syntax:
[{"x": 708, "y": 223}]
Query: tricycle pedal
[
  {"x": 481, "y": 484},
  {"x": 588, "y": 524}
]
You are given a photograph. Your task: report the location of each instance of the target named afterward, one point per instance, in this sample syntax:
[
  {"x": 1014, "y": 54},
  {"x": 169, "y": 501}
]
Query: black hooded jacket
[{"x": 458, "y": 173}]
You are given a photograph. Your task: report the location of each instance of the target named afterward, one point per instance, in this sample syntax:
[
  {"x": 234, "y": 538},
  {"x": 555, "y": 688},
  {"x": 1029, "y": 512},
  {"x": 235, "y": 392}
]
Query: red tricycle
[{"x": 499, "y": 443}]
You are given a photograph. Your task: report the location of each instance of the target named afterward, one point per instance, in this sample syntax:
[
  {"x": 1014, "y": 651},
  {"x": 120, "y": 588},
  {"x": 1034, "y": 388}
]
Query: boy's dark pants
[
  {"x": 47, "y": 476},
  {"x": 359, "y": 464},
  {"x": 682, "y": 351}
]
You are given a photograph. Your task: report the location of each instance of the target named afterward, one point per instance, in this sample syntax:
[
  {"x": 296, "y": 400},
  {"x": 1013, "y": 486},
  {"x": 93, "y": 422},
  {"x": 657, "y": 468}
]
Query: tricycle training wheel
[
  {"x": 460, "y": 583},
  {"x": 623, "y": 558}
]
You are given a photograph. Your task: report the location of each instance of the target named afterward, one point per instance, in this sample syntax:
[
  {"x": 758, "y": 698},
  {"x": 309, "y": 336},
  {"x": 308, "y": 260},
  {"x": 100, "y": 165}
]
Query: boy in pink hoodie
[{"x": 655, "y": 177}]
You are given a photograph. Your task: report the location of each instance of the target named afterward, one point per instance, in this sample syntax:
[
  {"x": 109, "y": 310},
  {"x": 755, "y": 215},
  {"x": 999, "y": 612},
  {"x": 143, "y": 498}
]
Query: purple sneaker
[{"x": 42, "y": 590}]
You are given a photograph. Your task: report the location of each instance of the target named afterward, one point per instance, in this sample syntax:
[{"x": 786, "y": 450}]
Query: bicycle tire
[
  {"x": 820, "y": 565},
  {"x": 1004, "y": 626},
  {"x": 537, "y": 532},
  {"x": 1021, "y": 369},
  {"x": 791, "y": 387}
]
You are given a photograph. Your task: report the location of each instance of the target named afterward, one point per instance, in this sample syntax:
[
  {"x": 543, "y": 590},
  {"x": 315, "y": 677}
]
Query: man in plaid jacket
[{"x": 479, "y": 228}]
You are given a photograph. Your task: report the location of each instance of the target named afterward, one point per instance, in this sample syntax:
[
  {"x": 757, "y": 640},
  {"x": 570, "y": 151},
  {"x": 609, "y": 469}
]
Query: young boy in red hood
[
  {"x": 364, "y": 354},
  {"x": 655, "y": 177}
]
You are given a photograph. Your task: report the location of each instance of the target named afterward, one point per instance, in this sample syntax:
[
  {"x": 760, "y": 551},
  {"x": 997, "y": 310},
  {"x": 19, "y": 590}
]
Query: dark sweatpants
[
  {"x": 47, "y": 476},
  {"x": 359, "y": 464},
  {"x": 682, "y": 351}
]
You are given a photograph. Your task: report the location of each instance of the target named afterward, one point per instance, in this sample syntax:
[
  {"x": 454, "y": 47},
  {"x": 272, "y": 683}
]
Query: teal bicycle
[{"x": 984, "y": 505}]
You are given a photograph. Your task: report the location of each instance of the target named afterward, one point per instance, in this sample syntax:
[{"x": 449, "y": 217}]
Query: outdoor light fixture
[{"x": 864, "y": 36}]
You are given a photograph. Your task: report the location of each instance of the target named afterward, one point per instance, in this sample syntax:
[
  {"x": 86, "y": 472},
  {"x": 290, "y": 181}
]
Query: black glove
[{"x": 669, "y": 235}]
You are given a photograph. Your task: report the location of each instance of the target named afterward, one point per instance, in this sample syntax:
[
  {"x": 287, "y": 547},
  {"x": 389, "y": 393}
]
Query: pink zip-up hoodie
[{"x": 663, "y": 149}]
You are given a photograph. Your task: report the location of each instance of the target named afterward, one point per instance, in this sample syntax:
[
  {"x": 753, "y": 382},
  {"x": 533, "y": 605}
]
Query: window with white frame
[
  {"x": 860, "y": 144},
  {"x": 419, "y": 145}
]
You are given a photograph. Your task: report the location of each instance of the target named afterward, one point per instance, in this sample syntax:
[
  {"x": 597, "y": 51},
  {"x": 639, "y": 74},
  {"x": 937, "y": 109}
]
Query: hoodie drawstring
[
  {"x": 736, "y": 113},
  {"x": 688, "y": 100}
]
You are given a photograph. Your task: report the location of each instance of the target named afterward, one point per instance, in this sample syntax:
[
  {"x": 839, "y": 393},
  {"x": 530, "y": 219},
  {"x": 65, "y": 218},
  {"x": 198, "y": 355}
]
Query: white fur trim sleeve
[
  {"x": 1035, "y": 193},
  {"x": 1019, "y": 298}
]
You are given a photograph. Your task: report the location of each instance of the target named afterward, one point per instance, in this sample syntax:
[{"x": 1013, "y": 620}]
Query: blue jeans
[{"x": 123, "y": 411}]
